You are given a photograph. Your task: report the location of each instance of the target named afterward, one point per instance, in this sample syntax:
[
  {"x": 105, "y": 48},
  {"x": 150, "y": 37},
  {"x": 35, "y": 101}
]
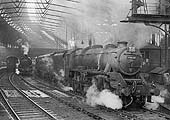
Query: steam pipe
[{"x": 129, "y": 102}]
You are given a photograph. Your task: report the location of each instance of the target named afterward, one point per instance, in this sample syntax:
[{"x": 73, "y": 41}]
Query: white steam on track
[
  {"x": 17, "y": 71},
  {"x": 104, "y": 98},
  {"x": 156, "y": 100},
  {"x": 164, "y": 94}
]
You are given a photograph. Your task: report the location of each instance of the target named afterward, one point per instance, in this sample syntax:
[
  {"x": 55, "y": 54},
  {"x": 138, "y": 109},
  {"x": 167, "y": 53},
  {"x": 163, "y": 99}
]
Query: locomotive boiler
[
  {"x": 116, "y": 68},
  {"x": 113, "y": 67},
  {"x": 126, "y": 60}
]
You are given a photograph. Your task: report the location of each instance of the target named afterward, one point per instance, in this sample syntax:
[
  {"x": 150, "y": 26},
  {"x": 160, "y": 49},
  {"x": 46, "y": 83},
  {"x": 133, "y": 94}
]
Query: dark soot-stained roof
[{"x": 33, "y": 19}]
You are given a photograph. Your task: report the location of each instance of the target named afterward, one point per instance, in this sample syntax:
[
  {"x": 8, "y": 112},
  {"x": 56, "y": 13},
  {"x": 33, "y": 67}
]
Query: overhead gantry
[{"x": 155, "y": 13}]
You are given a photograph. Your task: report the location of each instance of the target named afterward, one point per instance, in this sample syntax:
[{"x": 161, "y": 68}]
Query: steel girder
[{"x": 46, "y": 13}]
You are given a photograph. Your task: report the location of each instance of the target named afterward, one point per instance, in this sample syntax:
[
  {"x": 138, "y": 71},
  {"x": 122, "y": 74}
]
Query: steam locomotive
[
  {"x": 116, "y": 68},
  {"x": 25, "y": 66},
  {"x": 12, "y": 62}
]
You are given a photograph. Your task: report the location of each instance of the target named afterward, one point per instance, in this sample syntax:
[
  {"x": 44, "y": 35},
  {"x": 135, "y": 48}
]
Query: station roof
[
  {"x": 66, "y": 22},
  {"x": 33, "y": 18}
]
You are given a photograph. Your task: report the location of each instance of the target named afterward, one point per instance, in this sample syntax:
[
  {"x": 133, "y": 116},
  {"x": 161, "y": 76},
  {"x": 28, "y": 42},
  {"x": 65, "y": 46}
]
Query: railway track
[
  {"x": 161, "y": 114},
  {"x": 86, "y": 109},
  {"x": 24, "y": 108},
  {"x": 124, "y": 114},
  {"x": 66, "y": 102}
]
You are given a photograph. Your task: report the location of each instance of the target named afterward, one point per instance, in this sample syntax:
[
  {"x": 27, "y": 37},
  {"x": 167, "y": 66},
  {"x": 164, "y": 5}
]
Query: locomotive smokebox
[
  {"x": 123, "y": 59},
  {"x": 122, "y": 44}
]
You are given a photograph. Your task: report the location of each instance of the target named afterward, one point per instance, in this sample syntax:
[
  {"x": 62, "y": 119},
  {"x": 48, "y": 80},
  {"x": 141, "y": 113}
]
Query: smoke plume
[
  {"x": 58, "y": 75},
  {"x": 62, "y": 72},
  {"x": 60, "y": 79},
  {"x": 48, "y": 63},
  {"x": 17, "y": 71},
  {"x": 101, "y": 19},
  {"x": 24, "y": 45},
  {"x": 104, "y": 98},
  {"x": 25, "y": 48}
]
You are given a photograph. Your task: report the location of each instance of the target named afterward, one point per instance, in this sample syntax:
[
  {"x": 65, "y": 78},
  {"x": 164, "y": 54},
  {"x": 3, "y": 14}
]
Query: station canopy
[
  {"x": 34, "y": 20},
  {"x": 66, "y": 23}
]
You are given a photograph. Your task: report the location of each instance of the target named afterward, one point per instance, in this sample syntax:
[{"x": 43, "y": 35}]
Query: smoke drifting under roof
[{"x": 102, "y": 18}]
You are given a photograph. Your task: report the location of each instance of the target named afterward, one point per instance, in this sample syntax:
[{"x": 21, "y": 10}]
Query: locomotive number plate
[{"x": 131, "y": 57}]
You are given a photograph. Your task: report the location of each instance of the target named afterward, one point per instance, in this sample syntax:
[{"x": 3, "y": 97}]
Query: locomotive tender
[{"x": 116, "y": 68}]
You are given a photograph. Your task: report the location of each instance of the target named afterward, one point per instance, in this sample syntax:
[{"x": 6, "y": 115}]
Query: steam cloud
[
  {"x": 25, "y": 48},
  {"x": 58, "y": 75},
  {"x": 16, "y": 70},
  {"x": 101, "y": 19},
  {"x": 104, "y": 98},
  {"x": 60, "y": 78},
  {"x": 156, "y": 100},
  {"x": 164, "y": 96},
  {"x": 48, "y": 63},
  {"x": 62, "y": 72}
]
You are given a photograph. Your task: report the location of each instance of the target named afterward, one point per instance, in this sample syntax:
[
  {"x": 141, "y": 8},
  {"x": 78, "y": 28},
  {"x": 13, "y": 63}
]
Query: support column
[
  {"x": 66, "y": 37},
  {"x": 166, "y": 46}
]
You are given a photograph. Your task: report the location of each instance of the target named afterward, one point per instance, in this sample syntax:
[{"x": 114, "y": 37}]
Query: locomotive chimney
[{"x": 121, "y": 44}]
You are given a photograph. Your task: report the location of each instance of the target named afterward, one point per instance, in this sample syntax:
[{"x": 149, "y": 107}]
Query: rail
[
  {"x": 122, "y": 114},
  {"x": 9, "y": 106},
  {"x": 24, "y": 95}
]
